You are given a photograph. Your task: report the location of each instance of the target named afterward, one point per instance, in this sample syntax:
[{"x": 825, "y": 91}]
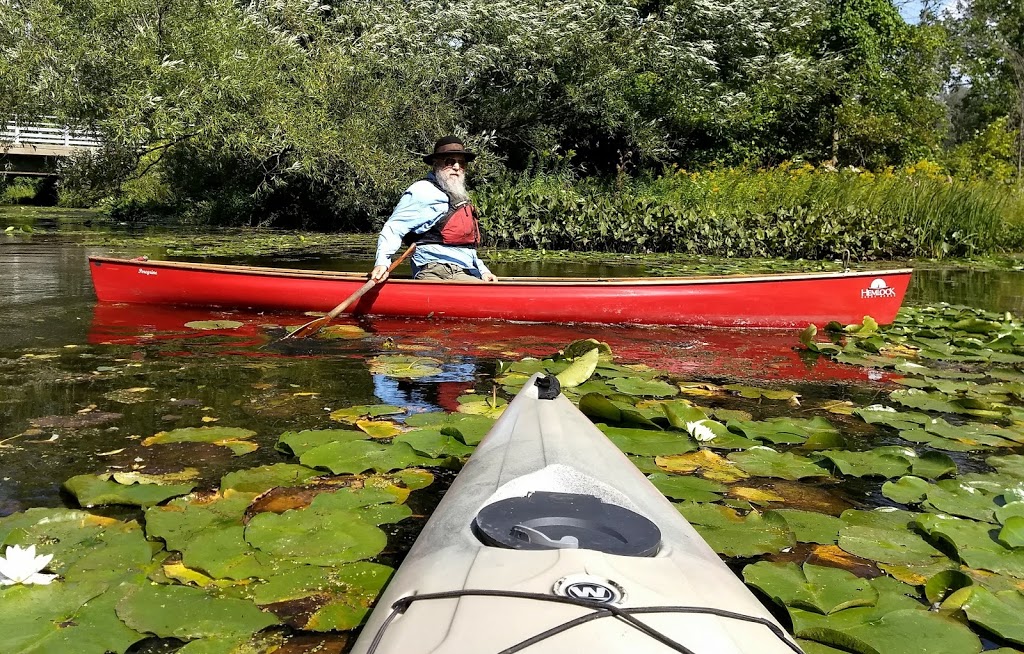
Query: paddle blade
[{"x": 309, "y": 329}]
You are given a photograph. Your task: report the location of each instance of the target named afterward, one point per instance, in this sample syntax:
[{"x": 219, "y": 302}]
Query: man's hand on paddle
[
  {"x": 379, "y": 273},
  {"x": 488, "y": 277}
]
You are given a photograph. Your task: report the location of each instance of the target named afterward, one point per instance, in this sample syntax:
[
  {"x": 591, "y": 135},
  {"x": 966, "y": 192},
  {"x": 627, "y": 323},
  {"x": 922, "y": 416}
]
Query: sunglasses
[{"x": 451, "y": 161}]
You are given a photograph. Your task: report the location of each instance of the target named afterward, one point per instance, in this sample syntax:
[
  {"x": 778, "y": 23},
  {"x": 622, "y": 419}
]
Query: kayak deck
[{"x": 554, "y": 585}]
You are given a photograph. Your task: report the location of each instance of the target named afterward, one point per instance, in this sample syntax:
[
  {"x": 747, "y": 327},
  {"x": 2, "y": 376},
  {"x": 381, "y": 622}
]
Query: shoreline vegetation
[{"x": 794, "y": 211}]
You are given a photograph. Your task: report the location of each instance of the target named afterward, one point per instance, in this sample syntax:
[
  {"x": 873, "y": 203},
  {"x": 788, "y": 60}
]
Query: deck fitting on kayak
[
  {"x": 548, "y": 387},
  {"x": 543, "y": 520}
]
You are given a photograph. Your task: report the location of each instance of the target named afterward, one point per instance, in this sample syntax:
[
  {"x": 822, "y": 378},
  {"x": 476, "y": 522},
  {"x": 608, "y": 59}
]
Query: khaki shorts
[{"x": 445, "y": 272}]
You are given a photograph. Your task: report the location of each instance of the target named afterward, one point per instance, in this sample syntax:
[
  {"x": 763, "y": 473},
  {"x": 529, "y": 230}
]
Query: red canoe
[{"x": 790, "y": 300}]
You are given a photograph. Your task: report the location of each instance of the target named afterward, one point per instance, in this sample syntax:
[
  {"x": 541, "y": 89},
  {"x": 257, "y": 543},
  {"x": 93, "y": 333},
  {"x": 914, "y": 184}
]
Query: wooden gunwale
[{"x": 553, "y": 281}]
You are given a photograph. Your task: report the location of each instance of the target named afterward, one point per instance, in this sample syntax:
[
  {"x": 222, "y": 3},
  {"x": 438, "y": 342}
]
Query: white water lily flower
[
  {"x": 20, "y": 565},
  {"x": 700, "y": 431}
]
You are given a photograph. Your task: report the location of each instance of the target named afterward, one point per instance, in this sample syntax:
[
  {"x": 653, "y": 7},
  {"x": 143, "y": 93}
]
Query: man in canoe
[{"x": 435, "y": 213}]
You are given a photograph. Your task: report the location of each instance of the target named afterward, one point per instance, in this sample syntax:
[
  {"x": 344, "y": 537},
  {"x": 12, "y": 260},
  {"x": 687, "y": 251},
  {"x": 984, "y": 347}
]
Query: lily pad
[
  {"x": 324, "y": 599},
  {"x": 435, "y": 444},
  {"x": 811, "y": 527},
  {"x": 335, "y": 528},
  {"x": 233, "y": 438},
  {"x": 404, "y": 367},
  {"x": 471, "y": 428},
  {"x": 812, "y": 588},
  {"x": 974, "y": 545},
  {"x": 884, "y": 462},
  {"x": 65, "y": 617},
  {"x": 213, "y": 325},
  {"x": 703, "y": 462},
  {"x": 763, "y": 461},
  {"x": 354, "y": 457},
  {"x": 353, "y": 413},
  {"x": 300, "y": 442},
  {"x": 895, "y": 625},
  {"x": 378, "y": 429},
  {"x": 999, "y": 613},
  {"x": 580, "y": 370},
  {"x": 188, "y": 613},
  {"x": 257, "y": 480},
  {"x": 730, "y": 534},
  {"x": 644, "y": 387},
  {"x": 647, "y": 442},
  {"x": 693, "y": 489},
  {"x": 98, "y": 490},
  {"x": 755, "y": 393}
]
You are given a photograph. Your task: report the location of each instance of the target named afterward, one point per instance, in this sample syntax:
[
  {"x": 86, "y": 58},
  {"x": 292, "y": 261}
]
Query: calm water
[{"x": 64, "y": 359}]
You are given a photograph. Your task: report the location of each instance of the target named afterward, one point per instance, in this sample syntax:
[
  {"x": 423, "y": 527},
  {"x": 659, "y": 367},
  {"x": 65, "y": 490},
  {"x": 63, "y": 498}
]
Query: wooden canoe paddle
[{"x": 314, "y": 326}]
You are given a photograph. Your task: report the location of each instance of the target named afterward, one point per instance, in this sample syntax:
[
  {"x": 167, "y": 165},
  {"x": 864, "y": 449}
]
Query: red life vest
[{"x": 459, "y": 226}]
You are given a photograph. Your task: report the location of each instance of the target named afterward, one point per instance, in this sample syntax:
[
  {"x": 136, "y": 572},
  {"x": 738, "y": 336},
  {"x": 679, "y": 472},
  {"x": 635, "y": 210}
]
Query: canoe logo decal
[
  {"x": 878, "y": 288},
  {"x": 143, "y": 271},
  {"x": 589, "y": 589}
]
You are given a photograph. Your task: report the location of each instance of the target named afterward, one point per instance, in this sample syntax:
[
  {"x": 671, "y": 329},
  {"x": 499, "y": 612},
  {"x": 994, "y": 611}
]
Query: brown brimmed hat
[{"x": 449, "y": 145}]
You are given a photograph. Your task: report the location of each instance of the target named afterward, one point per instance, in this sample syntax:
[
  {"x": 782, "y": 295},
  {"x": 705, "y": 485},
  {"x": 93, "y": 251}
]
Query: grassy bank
[{"x": 793, "y": 211}]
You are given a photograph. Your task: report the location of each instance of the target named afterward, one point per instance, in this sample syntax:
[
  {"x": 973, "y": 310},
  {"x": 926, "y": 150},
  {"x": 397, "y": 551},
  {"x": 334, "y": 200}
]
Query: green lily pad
[
  {"x": 730, "y": 534},
  {"x": 812, "y": 588},
  {"x": 999, "y": 613},
  {"x": 336, "y": 528},
  {"x": 647, "y": 442},
  {"x": 354, "y": 457},
  {"x": 933, "y": 465},
  {"x": 761, "y": 461},
  {"x": 181, "y": 520},
  {"x": 974, "y": 544},
  {"x": 482, "y": 405},
  {"x": 962, "y": 499},
  {"x": 234, "y": 438},
  {"x": 941, "y": 585},
  {"x": 884, "y": 462},
  {"x": 811, "y": 527},
  {"x": 644, "y": 387},
  {"x": 354, "y": 413},
  {"x": 404, "y": 367},
  {"x": 64, "y": 617},
  {"x": 299, "y": 442},
  {"x": 471, "y": 428},
  {"x": 1009, "y": 510},
  {"x": 1011, "y": 465},
  {"x": 693, "y": 489},
  {"x": 906, "y": 490},
  {"x": 895, "y": 625},
  {"x": 325, "y": 599},
  {"x": 434, "y": 444},
  {"x": 98, "y": 490},
  {"x": 884, "y": 535},
  {"x": 1012, "y": 533},
  {"x": 208, "y": 325},
  {"x": 257, "y": 480},
  {"x": 85, "y": 547},
  {"x": 188, "y": 613},
  {"x": 222, "y": 553},
  {"x": 883, "y": 415},
  {"x": 755, "y": 393},
  {"x": 578, "y": 348},
  {"x": 580, "y": 370}
]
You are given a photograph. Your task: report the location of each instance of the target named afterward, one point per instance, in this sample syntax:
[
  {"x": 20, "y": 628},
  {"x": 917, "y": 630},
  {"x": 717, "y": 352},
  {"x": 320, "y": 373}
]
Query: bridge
[{"x": 34, "y": 148}]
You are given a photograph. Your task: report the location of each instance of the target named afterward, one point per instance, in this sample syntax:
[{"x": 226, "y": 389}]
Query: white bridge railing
[{"x": 47, "y": 134}]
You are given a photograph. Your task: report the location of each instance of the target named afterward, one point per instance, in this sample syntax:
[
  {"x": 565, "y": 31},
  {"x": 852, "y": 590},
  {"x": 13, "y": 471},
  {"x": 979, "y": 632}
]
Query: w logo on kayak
[
  {"x": 588, "y": 589},
  {"x": 878, "y": 288}
]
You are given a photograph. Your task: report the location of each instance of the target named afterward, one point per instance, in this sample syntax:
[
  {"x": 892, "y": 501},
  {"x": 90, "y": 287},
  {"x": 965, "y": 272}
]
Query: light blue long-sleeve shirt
[{"x": 420, "y": 207}]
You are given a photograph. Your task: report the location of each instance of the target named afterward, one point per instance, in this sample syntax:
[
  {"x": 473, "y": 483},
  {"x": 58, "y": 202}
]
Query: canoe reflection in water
[{"x": 689, "y": 352}]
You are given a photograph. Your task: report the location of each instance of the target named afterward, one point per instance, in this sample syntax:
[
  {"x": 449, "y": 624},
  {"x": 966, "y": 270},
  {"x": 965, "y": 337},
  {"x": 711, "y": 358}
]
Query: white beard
[{"x": 454, "y": 183}]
